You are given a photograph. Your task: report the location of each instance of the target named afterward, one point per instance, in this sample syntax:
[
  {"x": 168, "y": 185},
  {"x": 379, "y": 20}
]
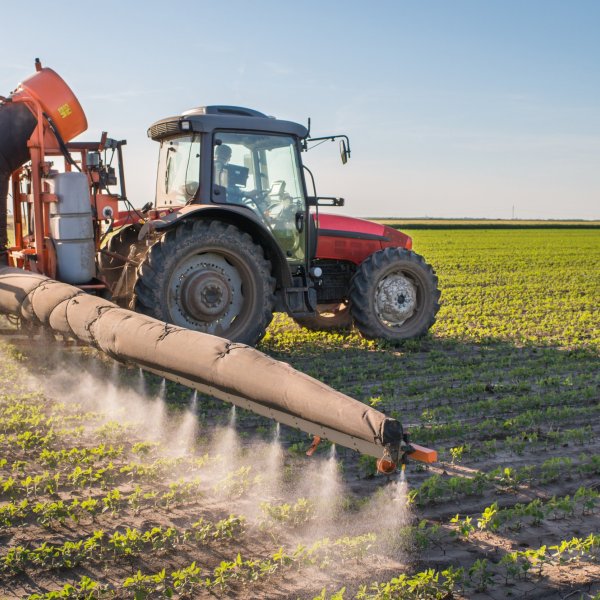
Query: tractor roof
[{"x": 206, "y": 119}]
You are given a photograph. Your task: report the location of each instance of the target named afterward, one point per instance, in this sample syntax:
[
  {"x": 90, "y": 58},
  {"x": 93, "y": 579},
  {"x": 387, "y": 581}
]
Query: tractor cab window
[
  {"x": 262, "y": 173},
  {"x": 178, "y": 171}
]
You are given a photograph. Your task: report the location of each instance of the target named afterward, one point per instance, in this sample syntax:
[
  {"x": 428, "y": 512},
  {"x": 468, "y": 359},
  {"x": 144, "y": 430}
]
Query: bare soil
[{"x": 392, "y": 554}]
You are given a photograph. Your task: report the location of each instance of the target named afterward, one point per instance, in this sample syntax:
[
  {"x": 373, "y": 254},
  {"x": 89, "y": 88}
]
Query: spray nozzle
[
  {"x": 313, "y": 447},
  {"x": 386, "y": 465}
]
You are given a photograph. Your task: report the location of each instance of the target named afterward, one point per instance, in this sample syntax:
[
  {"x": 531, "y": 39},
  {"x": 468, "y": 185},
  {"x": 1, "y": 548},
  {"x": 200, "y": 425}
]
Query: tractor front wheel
[
  {"x": 211, "y": 277},
  {"x": 394, "y": 295}
]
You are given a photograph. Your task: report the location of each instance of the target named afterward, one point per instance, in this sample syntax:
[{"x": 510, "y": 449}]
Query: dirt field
[{"x": 121, "y": 486}]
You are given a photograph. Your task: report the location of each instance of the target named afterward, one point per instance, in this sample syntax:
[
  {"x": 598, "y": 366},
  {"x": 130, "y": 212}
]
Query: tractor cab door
[
  {"x": 262, "y": 172},
  {"x": 178, "y": 175}
]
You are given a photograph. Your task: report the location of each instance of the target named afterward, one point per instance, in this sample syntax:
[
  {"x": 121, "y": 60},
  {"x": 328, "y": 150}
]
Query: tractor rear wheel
[
  {"x": 211, "y": 277},
  {"x": 394, "y": 295},
  {"x": 328, "y": 317}
]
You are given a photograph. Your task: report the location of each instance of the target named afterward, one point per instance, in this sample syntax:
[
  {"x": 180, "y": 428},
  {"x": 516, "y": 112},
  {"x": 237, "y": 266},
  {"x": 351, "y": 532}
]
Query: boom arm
[{"x": 232, "y": 372}]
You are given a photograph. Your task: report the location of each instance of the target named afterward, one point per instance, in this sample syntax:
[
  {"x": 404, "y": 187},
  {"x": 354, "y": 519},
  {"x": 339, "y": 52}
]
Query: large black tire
[
  {"x": 328, "y": 317},
  {"x": 211, "y": 277},
  {"x": 394, "y": 295}
]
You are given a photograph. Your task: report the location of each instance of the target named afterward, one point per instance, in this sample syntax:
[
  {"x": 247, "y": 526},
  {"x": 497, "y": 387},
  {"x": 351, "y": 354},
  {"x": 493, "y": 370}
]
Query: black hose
[
  {"x": 17, "y": 123},
  {"x": 61, "y": 143},
  {"x": 4, "y": 181}
]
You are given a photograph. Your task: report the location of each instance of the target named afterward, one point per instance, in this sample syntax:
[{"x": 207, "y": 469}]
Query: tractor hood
[
  {"x": 352, "y": 239},
  {"x": 350, "y": 225}
]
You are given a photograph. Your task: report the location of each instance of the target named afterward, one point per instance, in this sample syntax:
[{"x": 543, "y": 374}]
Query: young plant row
[
  {"x": 288, "y": 515},
  {"x": 530, "y": 440},
  {"x": 427, "y": 534},
  {"x": 102, "y": 545},
  {"x": 229, "y": 573},
  {"x": 29, "y": 412},
  {"x": 63, "y": 458},
  {"x": 491, "y": 427},
  {"x": 39, "y": 433},
  {"x": 493, "y": 518},
  {"x": 456, "y": 401},
  {"x": 53, "y": 512},
  {"x": 85, "y": 478},
  {"x": 437, "y": 488},
  {"x": 33, "y": 440},
  {"x": 513, "y": 566},
  {"x": 465, "y": 406},
  {"x": 522, "y": 564},
  {"x": 79, "y": 456}
]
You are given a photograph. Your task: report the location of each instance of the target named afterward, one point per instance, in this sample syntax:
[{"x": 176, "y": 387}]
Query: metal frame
[{"x": 334, "y": 436}]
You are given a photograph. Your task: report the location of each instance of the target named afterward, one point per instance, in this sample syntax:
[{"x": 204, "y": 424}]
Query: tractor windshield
[
  {"x": 178, "y": 171},
  {"x": 262, "y": 172}
]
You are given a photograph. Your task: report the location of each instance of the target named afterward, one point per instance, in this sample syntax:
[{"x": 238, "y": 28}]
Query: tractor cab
[
  {"x": 258, "y": 171},
  {"x": 236, "y": 157}
]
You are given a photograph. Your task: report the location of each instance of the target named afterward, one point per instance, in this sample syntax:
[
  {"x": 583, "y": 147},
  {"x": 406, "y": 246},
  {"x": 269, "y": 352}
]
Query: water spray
[
  {"x": 141, "y": 383},
  {"x": 162, "y": 390}
]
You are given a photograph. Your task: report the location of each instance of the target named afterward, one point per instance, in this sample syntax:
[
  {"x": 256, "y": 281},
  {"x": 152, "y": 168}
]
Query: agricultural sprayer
[{"x": 232, "y": 236}]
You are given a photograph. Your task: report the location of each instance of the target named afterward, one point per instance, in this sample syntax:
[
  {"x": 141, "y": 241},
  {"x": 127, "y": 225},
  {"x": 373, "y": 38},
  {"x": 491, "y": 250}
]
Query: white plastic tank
[{"x": 71, "y": 227}]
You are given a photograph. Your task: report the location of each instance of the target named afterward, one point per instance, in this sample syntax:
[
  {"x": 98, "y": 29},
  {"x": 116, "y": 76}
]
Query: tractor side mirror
[
  {"x": 324, "y": 201},
  {"x": 344, "y": 152}
]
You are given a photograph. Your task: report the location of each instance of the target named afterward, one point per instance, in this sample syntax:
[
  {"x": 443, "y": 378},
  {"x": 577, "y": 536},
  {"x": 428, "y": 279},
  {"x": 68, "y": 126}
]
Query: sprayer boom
[
  {"x": 232, "y": 372},
  {"x": 400, "y": 451}
]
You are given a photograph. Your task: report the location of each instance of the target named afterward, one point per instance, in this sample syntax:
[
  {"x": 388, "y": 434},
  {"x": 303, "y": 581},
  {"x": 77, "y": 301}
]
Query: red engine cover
[{"x": 351, "y": 239}]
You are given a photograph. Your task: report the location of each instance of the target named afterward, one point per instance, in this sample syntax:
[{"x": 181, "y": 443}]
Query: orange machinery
[{"x": 59, "y": 117}]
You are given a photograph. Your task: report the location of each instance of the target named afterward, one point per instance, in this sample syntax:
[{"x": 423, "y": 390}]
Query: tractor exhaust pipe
[
  {"x": 17, "y": 124},
  {"x": 229, "y": 371}
]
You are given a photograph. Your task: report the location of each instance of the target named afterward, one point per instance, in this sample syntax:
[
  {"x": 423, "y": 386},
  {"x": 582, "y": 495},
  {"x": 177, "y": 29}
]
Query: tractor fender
[{"x": 243, "y": 218}]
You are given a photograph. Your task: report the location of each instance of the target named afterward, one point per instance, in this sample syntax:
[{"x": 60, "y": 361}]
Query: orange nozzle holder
[
  {"x": 315, "y": 443},
  {"x": 57, "y": 100},
  {"x": 422, "y": 454},
  {"x": 386, "y": 466}
]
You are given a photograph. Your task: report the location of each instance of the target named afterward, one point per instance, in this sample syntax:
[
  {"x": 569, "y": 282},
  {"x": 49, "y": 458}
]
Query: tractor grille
[
  {"x": 335, "y": 280},
  {"x": 162, "y": 130}
]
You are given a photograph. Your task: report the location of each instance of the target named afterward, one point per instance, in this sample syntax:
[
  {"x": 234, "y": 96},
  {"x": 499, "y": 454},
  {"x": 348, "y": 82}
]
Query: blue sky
[{"x": 454, "y": 109}]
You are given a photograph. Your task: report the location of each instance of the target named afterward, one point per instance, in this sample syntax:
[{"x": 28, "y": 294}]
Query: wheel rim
[
  {"x": 395, "y": 299},
  {"x": 206, "y": 291}
]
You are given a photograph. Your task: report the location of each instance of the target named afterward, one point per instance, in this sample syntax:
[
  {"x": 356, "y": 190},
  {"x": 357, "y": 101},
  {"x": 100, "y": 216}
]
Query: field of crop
[{"x": 115, "y": 485}]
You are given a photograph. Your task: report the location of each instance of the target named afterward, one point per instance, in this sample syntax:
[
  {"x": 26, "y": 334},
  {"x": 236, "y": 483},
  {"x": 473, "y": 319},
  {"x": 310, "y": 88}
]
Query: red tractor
[{"x": 234, "y": 233}]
